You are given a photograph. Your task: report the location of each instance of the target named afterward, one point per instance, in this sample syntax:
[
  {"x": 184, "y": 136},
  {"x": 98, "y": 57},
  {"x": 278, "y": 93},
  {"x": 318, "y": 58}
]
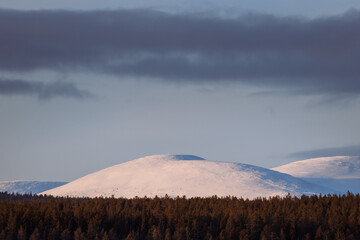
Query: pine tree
[{"x": 35, "y": 235}]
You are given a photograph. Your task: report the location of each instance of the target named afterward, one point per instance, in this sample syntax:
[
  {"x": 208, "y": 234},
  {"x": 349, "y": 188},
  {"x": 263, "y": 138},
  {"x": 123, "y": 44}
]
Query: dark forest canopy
[{"x": 307, "y": 217}]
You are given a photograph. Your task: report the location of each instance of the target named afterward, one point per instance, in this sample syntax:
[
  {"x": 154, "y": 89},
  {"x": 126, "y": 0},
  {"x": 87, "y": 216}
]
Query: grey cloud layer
[
  {"x": 328, "y": 152},
  {"x": 320, "y": 55},
  {"x": 41, "y": 90}
]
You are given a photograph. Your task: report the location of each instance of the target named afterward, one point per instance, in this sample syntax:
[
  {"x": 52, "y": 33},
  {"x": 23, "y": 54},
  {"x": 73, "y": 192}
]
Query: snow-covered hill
[
  {"x": 178, "y": 175},
  {"x": 341, "y": 173},
  {"x": 341, "y": 167},
  {"x": 27, "y": 186}
]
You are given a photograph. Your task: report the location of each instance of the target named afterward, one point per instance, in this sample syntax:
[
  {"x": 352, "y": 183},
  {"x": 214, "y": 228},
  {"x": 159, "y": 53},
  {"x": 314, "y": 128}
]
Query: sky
[{"x": 89, "y": 84}]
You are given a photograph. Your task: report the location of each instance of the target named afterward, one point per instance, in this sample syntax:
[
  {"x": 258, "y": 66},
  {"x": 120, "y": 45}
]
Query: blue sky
[{"x": 88, "y": 85}]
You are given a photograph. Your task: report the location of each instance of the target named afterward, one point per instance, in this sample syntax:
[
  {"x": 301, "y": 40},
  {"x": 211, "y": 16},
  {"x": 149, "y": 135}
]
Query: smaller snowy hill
[
  {"x": 340, "y": 167},
  {"x": 27, "y": 186},
  {"x": 341, "y": 173},
  {"x": 178, "y": 175}
]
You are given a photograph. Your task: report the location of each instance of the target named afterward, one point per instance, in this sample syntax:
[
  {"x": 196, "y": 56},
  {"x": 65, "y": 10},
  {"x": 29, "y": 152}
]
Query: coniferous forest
[{"x": 307, "y": 217}]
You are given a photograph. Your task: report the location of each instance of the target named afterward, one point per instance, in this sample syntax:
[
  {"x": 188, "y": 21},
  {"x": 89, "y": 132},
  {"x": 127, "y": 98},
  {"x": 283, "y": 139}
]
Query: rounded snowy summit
[{"x": 179, "y": 175}]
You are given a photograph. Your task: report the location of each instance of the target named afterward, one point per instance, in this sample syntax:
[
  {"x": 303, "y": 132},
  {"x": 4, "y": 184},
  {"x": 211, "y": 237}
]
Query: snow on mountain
[
  {"x": 340, "y": 167},
  {"x": 178, "y": 175},
  {"x": 342, "y": 173},
  {"x": 27, "y": 186}
]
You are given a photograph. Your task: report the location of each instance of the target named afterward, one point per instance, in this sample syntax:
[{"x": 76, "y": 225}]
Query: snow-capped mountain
[
  {"x": 341, "y": 173},
  {"x": 27, "y": 186},
  {"x": 178, "y": 175},
  {"x": 325, "y": 167}
]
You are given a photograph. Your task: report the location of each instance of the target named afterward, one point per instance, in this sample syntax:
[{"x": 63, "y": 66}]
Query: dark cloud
[
  {"x": 327, "y": 152},
  {"x": 41, "y": 90},
  {"x": 311, "y": 56}
]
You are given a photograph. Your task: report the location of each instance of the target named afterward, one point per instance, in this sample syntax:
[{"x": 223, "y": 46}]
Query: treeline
[{"x": 314, "y": 217}]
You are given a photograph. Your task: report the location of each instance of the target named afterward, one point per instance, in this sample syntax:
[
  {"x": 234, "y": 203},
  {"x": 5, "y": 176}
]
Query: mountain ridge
[
  {"x": 22, "y": 187},
  {"x": 341, "y": 167},
  {"x": 342, "y": 173},
  {"x": 189, "y": 175}
]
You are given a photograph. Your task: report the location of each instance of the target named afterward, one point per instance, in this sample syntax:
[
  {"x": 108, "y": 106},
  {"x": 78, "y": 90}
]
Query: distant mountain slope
[
  {"x": 178, "y": 175},
  {"x": 341, "y": 167},
  {"x": 341, "y": 173},
  {"x": 27, "y": 186}
]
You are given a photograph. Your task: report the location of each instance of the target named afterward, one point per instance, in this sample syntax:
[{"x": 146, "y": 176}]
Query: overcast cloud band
[{"x": 320, "y": 55}]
